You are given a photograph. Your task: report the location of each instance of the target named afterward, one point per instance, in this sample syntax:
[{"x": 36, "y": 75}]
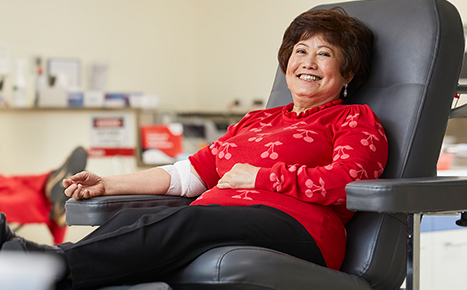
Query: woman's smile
[
  {"x": 313, "y": 73},
  {"x": 309, "y": 78}
]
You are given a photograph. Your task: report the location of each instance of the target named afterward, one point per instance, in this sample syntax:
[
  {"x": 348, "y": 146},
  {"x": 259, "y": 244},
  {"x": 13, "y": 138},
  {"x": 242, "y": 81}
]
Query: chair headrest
[{"x": 417, "y": 58}]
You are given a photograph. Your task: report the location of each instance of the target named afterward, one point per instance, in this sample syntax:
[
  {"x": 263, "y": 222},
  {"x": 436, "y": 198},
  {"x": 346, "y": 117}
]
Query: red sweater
[{"x": 306, "y": 160}]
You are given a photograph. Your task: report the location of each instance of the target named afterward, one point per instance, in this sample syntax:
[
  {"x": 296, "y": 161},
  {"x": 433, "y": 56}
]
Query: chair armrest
[
  {"x": 408, "y": 195},
  {"x": 97, "y": 210}
]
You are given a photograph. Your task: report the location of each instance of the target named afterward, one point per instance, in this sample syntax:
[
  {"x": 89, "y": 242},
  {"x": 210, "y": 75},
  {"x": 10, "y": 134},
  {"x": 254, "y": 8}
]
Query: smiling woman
[
  {"x": 276, "y": 179},
  {"x": 346, "y": 40},
  {"x": 313, "y": 73}
]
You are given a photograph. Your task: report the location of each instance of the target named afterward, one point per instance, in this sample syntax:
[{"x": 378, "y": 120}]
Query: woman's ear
[{"x": 349, "y": 78}]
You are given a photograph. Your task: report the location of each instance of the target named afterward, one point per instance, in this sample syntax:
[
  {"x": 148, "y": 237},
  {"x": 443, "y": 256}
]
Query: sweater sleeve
[
  {"x": 359, "y": 152},
  {"x": 204, "y": 161}
]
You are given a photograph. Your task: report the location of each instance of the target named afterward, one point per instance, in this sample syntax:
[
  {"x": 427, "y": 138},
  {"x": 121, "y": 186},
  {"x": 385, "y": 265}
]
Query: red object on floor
[{"x": 23, "y": 201}]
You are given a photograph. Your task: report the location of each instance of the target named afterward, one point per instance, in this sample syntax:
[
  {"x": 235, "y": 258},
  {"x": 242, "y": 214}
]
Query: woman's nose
[{"x": 310, "y": 63}]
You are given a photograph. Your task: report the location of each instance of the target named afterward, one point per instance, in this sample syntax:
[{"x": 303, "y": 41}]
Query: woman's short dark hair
[{"x": 351, "y": 35}]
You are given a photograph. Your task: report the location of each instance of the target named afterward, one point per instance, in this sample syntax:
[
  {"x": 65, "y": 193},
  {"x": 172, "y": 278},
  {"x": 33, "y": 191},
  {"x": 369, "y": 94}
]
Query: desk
[
  {"x": 35, "y": 140},
  {"x": 38, "y": 139}
]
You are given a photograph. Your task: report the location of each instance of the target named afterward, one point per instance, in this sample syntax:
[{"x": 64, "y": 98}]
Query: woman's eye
[
  {"x": 301, "y": 51},
  {"x": 324, "y": 54}
]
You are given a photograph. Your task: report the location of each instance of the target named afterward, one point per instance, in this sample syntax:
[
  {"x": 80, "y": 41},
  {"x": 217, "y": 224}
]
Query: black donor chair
[{"x": 418, "y": 54}]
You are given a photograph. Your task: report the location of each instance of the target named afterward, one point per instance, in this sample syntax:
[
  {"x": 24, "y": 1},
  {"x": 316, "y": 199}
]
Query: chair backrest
[{"x": 417, "y": 59}]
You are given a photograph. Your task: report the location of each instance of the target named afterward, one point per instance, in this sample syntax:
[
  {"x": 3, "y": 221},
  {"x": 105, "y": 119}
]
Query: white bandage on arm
[{"x": 183, "y": 182}]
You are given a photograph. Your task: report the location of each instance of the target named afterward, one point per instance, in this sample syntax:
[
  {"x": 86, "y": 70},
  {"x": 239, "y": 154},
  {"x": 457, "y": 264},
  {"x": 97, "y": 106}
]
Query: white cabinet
[{"x": 443, "y": 256}]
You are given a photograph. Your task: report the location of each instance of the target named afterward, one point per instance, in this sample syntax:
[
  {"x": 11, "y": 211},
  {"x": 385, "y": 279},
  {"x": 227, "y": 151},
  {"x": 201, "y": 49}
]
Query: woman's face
[{"x": 313, "y": 73}]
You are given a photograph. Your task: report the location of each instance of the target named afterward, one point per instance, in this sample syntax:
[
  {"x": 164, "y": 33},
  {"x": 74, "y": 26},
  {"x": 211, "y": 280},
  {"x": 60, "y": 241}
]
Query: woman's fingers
[
  {"x": 76, "y": 191},
  {"x": 67, "y": 182},
  {"x": 70, "y": 189},
  {"x": 240, "y": 176}
]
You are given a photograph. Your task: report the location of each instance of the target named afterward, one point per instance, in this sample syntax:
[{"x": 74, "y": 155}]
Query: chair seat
[
  {"x": 249, "y": 268},
  {"x": 143, "y": 286}
]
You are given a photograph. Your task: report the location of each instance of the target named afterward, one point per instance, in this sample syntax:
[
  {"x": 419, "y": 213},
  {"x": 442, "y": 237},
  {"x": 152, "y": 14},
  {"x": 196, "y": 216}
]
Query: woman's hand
[
  {"x": 84, "y": 185},
  {"x": 240, "y": 176}
]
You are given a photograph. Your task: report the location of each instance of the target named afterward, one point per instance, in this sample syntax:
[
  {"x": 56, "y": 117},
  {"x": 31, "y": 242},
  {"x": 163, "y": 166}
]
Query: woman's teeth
[{"x": 309, "y": 78}]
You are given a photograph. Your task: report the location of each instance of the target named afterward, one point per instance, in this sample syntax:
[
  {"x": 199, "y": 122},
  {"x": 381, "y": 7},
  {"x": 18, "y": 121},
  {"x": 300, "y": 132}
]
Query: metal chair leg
[{"x": 413, "y": 251}]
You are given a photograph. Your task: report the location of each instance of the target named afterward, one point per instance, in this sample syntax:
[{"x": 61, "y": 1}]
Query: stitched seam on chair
[
  {"x": 248, "y": 248},
  {"x": 434, "y": 52},
  {"x": 375, "y": 239},
  {"x": 277, "y": 253},
  {"x": 225, "y": 283},
  {"x": 392, "y": 261},
  {"x": 221, "y": 258},
  {"x": 100, "y": 202},
  {"x": 394, "y": 85}
]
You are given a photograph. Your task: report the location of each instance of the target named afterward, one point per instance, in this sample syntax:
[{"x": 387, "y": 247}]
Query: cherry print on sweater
[
  {"x": 214, "y": 147},
  {"x": 224, "y": 153},
  {"x": 381, "y": 131},
  {"x": 266, "y": 115},
  {"x": 341, "y": 152},
  {"x": 259, "y": 137},
  {"x": 358, "y": 174},
  {"x": 379, "y": 171},
  {"x": 294, "y": 168},
  {"x": 244, "y": 194},
  {"x": 340, "y": 201},
  {"x": 295, "y": 126},
  {"x": 277, "y": 183},
  {"x": 262, "y": 126},
  {"x": 312, "y": 188},
  {"x": 350, "y": 120},
  {"x": 270, "y": 152},
  {"x": 305, "y": 135},
  {"x": 369, "y": 141}
]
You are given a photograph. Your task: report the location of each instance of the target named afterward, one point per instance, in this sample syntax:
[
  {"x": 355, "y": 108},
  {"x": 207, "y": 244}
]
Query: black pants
[{"x": 143, "y": 245}]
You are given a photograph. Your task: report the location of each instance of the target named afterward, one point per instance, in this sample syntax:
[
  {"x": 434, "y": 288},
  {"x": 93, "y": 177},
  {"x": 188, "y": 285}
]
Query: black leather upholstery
[
  {"x": 145, "y": 286},
  {"x": 418, "y": 54},
  {"x": 94, "y": 212},
  {"x": 415, "y": 69}
]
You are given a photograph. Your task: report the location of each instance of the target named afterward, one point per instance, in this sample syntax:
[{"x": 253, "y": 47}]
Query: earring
[{"x": 345, "y": 90}]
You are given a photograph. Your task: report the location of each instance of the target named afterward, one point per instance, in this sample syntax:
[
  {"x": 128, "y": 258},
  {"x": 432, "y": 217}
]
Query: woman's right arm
[
  {"x": 151, "y": 181},
  {"x": 87, "y": 185}
]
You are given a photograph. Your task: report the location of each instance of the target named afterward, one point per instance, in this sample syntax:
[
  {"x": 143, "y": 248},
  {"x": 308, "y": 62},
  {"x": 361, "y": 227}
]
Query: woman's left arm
[
  {"x": 241, "y": 175},
  {"x": 359, "y": 152}
]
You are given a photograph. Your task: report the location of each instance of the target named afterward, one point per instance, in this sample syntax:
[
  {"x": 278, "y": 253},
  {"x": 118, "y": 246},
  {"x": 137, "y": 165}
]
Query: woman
[{"x": 276, "y": 179}]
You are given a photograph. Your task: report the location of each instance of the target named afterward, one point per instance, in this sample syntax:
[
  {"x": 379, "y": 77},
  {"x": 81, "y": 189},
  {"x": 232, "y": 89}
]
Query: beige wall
[
  {"x": 148, "y": 44},
  {"x": 237, "y": 48},
  {"x": 461, "y": 5},
  {"x": 195, "y": 54}
]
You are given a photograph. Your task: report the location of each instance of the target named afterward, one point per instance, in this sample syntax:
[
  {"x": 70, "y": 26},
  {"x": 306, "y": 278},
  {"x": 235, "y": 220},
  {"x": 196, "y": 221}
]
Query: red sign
[{"x": 163, "y": 138}]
